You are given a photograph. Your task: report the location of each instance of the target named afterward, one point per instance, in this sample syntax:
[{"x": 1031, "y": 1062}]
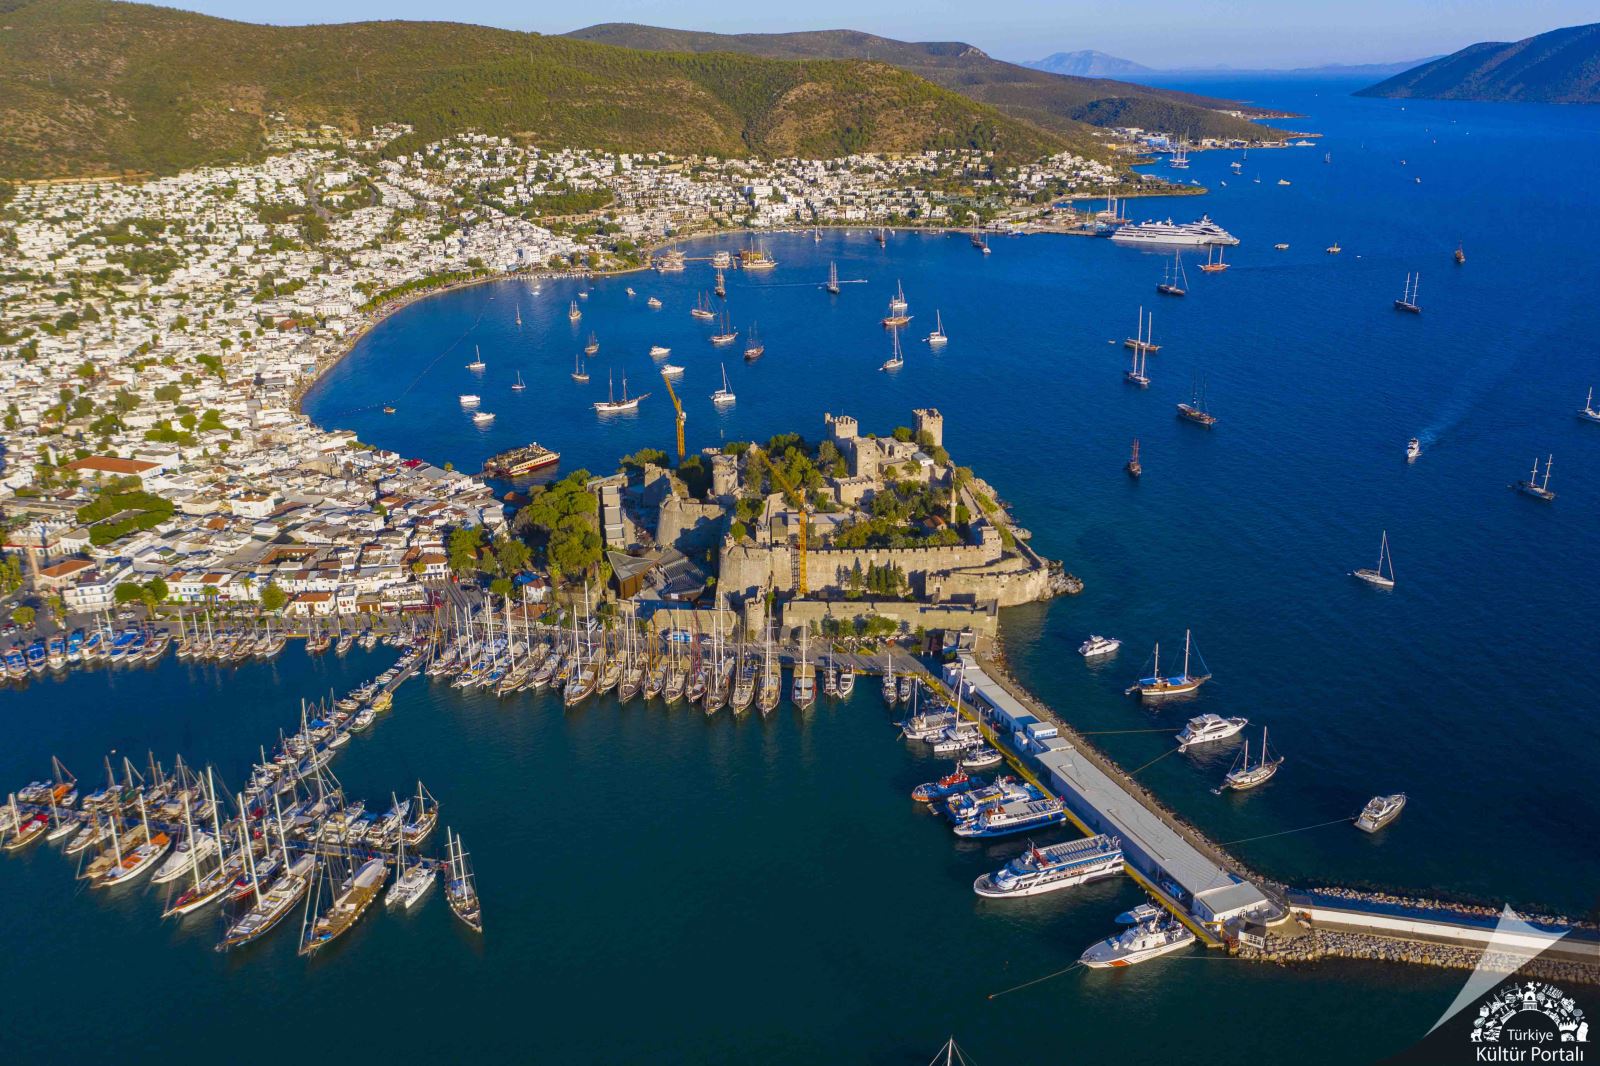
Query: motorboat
[
  {"x": 1380, "y": 811},
  {"x": 1140, "y": 943},
  {"x": 1208, "y": 729},
  {"x": 1097, "y": 645}
]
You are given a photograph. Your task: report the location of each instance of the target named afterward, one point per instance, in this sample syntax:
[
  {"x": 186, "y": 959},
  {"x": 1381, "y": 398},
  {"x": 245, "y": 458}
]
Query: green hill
[
  {"x": 1559, "y": 67},
  {"x": 93, "y": 86},
  {"x": 1056, "y": 102}
]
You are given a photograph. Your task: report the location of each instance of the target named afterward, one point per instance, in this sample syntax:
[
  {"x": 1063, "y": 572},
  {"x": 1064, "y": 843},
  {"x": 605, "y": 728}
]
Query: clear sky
[{"x": 1157, "y": 33}]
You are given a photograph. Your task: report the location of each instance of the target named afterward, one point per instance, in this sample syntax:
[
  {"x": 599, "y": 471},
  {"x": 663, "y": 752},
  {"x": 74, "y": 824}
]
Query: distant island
[
  {"x": 1559, "y": 67},
  {"x": 1069, "y": 107},
  {"x": 1087, "y": 63}
]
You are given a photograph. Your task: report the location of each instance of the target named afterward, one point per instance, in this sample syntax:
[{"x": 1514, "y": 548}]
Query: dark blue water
[{"x": 658, "y": 885}]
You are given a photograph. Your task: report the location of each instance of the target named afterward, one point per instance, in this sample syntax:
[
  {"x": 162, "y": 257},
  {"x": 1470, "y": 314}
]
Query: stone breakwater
[
  {"x": 1319, "y": 944},
  {"x": 1476, "y": 910}
]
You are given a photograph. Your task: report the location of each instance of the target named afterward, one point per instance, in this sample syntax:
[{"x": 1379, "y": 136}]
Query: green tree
[
  {"x": 500, "y": 586},
  {"x": 128, "y": 592},
  {"x": 273, "y": 598},
  {"x": 23, "y": 616},
  {"x": 465, "y": 544}
]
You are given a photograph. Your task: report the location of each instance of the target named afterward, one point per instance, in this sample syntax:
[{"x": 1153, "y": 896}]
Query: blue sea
[{"x": 658, "y": 885}]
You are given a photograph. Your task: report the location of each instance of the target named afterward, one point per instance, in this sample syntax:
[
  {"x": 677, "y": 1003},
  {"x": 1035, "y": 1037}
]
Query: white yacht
[
  {"x": 653, "y": 302},
  {"x": 469, "y": 399},
  {"x": 1040, "y": 870},
  {"x": 1209, "y": 728},
  {"x": 483, "y": 418},
  {"x": 1137, "y": 944},
  {"x": 1097, "y": 645},
  {"x": 981, "y": 758},
  {"x": 668, "y": 370},
  {"x": 1202, "y": 233},
  {"x": 659, "y": 352},
  {"x": 1380, "y": 811},
  {"x": 201, "y": 846},
  {"x": 1413, "y": 450}
]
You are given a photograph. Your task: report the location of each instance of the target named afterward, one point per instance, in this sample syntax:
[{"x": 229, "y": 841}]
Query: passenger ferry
[
  {"x": 1198, "y": 233},
  {"x": 1040, "y": 870},
  {"x": 1380, "y": 811},
  {"x": 1018, "y": 816},
  {"x": 1140, "y": 943},
  {"x": 966, "y": 805}
]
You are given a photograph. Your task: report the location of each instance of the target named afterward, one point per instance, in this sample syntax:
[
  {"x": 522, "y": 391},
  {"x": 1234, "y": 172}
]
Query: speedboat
[
  {"x": 1380, "y": 811},
  {"x": 1040, "y": 870},
  {"x": 468, "y": 399},
  {"x": 659, "y": 352},
  {"x": 1098, "y": 645},
  {"x": 1413, "y": 449},
  {"x": 1137, "y": 944},
  {"x": 1208, "y": 728}
]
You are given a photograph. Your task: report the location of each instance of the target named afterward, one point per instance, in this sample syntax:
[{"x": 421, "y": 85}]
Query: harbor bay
[{"x": 625, "y": 850}]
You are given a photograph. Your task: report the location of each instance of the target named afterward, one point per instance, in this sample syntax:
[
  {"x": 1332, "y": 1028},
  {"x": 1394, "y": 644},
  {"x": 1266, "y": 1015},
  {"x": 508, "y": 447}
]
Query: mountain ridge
[
  {"x": 1063, "y": 104},
  {"x": 93, "y": 87},
  {"x": 1561, "y": 66}
]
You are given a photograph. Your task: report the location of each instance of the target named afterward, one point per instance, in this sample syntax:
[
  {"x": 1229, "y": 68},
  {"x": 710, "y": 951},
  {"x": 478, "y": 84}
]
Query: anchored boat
[
  {"x": 1156, "y": 687},
  {"x": 1040, "y": 870}
]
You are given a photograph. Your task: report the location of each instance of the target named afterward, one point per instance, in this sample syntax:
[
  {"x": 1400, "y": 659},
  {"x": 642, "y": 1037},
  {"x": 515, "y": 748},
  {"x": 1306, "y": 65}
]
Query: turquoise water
[{"x": 661, "y": 885}]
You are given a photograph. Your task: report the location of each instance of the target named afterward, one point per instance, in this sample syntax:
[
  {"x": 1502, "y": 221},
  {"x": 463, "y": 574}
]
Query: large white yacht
[
  {"x": 1138, "y": 944},
  {"x": 1208, "y": 728},
  {"x": 1198, "y": 233},
  {"x": 1380, "y": 811},
  {"x": 1040, "y": 870}
]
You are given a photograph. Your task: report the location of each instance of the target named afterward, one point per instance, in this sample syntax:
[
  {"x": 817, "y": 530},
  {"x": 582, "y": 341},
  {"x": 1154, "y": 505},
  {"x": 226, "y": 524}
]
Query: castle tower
[
  {"x": 842, "y": 428},
  {"x": 931, "y": 422}
]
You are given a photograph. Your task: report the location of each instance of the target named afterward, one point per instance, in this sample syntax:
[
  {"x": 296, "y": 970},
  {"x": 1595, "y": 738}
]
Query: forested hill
[
  {"x": 1559, "y": 67},
  {"x": 1057, "y": 102},
  {"x": 97, "y": 87}
]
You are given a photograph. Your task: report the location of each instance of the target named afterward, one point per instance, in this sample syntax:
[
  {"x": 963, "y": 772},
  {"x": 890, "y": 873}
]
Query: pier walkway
[{"x": 1199, "y": 887}]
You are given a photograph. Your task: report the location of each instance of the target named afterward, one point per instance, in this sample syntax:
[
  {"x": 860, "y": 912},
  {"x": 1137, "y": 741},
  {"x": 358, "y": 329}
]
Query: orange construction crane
[{"x": 677, "y": 407}]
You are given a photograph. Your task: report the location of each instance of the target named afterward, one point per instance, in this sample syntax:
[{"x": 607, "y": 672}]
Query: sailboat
[
  {"x": 518, "y": 385},
  {"x": 1173, "y": 281},
  {"x": 937, "y": 339},
  {"x": 477, "y": 360},
  {"x": 1133, "y": 467},
  {"x": 1156, "y": 687},
  {"x": 612, "y": 405},
  {"x": 728, "y": 334},
  {"x": 804, "y": 690},
  {"x": 897, "y": 309},
  {"x": 724, "y": 395},
  {"x": 702, "y": 309},
  {"x": 1383, "y": 575},
  {"x": 519, "y": 316},
  {"x": 721, "y": 288},
  {"x": 1139, "y": 373},
  {"x": 833, "y": 279},
  {"x": 895, "y": 361},
  {"x": 1461, "y": 253},
  {"x": 1139, "y": 342},
  {"x": 593, "y": 345},
  {"x": 580, "y": 373},
  {"x": 1589, "y": 412},
  {"x": 754, "y": 349},
  {"x": 1533, "y": 486},
  {"x": 1213, "y": 265},
  {"x": 1244, "y": 776},
  {"x": 459, "y": 889},
  {"x": 573, "y": 313},
  {"x": 1195, "y": 410},
  {"x": 1408, "y": 296}
]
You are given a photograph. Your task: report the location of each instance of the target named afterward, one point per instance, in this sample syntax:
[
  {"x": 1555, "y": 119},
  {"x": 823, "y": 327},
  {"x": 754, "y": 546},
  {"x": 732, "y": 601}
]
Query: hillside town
[{"x": 155, "y": 338}]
